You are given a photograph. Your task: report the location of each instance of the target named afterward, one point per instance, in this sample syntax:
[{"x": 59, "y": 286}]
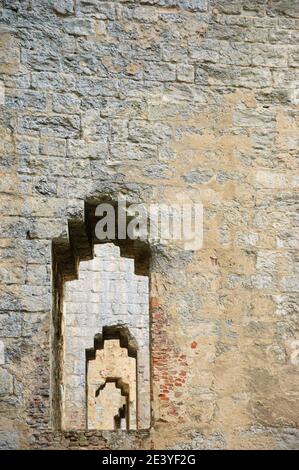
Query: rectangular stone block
[
  {"x": 9, "y": 440},
  {"x": 290, "y": 284},
  {"x": 97, "y": 150},
  {"x": 66, "y": 103},
  {"x": 10, "y": 325},
  {"x": 160, "y": 72},
  {"x": 6, "y": 382},
  {"x": 63, "y": 7},
  {"x": 2, "y": 353},
  {"x": 101, "y": 10},
  {"x": 41, "y": 58},
  {"x": 52, "y": 81},
  {"x": 79, "y": 26},
  {"x": 49, "y": 125},
  {"x": 185, "y": 73},
  {"x": 26, "y": 99},
  {"x": 36, "y": 298},
  {"x": 273, "y": 179}
]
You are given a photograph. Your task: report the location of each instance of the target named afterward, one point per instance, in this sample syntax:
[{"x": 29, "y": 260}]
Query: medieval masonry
[{"x": 144, "y": 342}]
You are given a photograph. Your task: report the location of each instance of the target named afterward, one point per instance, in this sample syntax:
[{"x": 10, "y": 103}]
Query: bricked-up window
[
  {"x": 105, "y": 332},
  {"x": 109, "y": 409},
  {"x": 111, "y": 388}
]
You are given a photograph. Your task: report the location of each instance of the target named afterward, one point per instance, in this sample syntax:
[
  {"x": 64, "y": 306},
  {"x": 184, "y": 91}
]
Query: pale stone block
[
  {"x": 143, "y": 288},
  {"x": 272, "y": 180},
  {"x": 96, "y": 284},
  {"x": 111, "y": 266},
  {"x": 2, "y": 94},
  {"x": 6, "y": 382},
  {"x": 2, "y": 353},
  {"x": 290, "y": 283},
  {"x": 247, "y": 239},
  {"x": 106, "y": 249},
  {"x": 127, "y": 265},
  {"x": 266, "y": 261},
  {"x": 262, "y": 281},
  {"x": 185, "y": 73},
  {"x": 9, "y": 440}
]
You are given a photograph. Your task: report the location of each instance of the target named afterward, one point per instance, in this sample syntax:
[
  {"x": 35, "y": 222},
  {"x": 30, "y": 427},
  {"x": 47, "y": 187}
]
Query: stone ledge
[{"x": 89, "y": 439}]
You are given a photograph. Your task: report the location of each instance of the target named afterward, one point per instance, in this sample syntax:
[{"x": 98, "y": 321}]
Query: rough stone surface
[{"x": 151, "y": 99}]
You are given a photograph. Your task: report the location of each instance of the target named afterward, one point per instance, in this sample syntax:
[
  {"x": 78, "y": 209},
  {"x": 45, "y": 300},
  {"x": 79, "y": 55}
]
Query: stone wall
[{"x": 152, "y": 98}]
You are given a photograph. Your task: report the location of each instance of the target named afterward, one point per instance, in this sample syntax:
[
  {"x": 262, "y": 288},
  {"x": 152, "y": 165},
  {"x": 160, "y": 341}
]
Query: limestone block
[
  {"x": 45, "y": 58},
  {"x": 80, "y": 149},
  {"x": 270, "y": 179},
  {"x": 47, "y": 80},
  {"x": 36, "y": 298},
  {"x": 9, "y": 440},
  {"x": 79, "y": 26},
  {"x": 2, "y": 93},
  {"x": 56, "y": 126},
  {"x": 101, "y": 10},
  {"x": 247, "y": 239},
  {"x": 66, "y": 103},
  {"x": 9, "y": 53},
  {"x": 10, "y": 325},
  {"x": 161, "y": 72},
  {"x": 140, "y": 132},
  {"x": 185, "y": 73},
  {"x": 290, "y": 283},
  {"x": 262, "y": 281},
  {"x": 266, "y": 261},
  {"x": 64, "y": 7},
  {"x": 94, "y": 87},
  {"x": 2, "y": 353},
  {"x": 6, "y": 382},
  {"x": 37, "y": 275}
]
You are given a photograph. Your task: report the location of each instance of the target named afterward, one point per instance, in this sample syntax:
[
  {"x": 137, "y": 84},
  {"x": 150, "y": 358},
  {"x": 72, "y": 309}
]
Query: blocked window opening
[
  {"x": 111, "y": 409},
  {"x": 111, "y": 388},
  {"x": 112, "y": 405},
  {"x": 105, "y": 380}
]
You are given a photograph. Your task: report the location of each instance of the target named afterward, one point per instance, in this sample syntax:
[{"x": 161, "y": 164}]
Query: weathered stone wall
[{"x": 151, "y": 98}]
